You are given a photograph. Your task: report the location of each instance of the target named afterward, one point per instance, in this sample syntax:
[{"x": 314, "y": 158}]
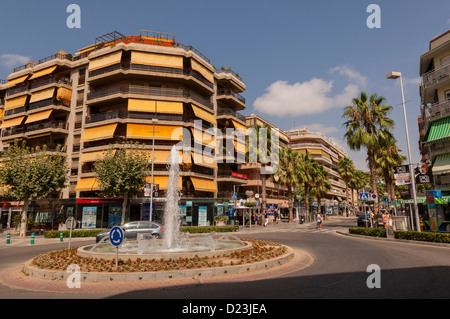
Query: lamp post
[
  {"x": 154, "y": 121},
  {"x": 395, "y": 75}
]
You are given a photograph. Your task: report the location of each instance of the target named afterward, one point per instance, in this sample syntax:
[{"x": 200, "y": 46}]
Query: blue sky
[{"x": 302, "y": 61}]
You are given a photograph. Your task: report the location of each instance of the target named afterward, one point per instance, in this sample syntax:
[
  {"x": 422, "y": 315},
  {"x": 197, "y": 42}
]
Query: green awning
[
  {"x": 439, "y": 131},
  {"x": 441, "y": 164}
]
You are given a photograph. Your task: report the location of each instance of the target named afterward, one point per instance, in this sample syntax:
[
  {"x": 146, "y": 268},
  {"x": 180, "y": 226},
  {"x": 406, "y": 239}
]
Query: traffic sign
[
  {"x": 374, "y": 197},
  {"x": 116, "y": 236},
  {"x": 364, "y": 197},
  {"x": 233, "y": 195}
]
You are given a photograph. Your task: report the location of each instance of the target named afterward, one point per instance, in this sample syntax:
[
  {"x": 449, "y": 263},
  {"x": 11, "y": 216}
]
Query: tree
[
  {"x": 287, "y": 173},
  {"x": 122, "y": 173},
  {"x": 321, "y": 183},
  {"x": 32, "y": 174},
  {"x": 305, "y": 171},
  {"x": 367, "y": 121},
  {"x": 387, "y": 156},
  {"x": 346, "y": 169},
  {"x": 358, "y": 181}
]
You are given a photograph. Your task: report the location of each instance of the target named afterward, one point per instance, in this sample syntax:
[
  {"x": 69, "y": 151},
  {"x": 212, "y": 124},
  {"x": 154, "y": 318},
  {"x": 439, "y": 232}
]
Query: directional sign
[
  {"x": 364, "y": 197},
  {"x": 116, "y": 236}
]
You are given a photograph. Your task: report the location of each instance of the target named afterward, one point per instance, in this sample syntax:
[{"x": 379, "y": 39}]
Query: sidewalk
[{"x": 15, "y": 240}]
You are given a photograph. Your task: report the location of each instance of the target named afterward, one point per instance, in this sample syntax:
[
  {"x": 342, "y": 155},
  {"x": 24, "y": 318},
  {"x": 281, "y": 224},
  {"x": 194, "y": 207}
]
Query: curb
[{"x": 159, "y": 275}]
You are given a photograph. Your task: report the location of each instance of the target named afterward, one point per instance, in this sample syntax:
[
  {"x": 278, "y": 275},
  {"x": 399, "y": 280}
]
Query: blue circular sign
[{"x": 116, "y": 236}]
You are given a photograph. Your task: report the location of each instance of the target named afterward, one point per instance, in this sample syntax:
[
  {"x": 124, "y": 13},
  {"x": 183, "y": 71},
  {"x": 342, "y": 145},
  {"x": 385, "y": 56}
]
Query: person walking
[{"x": 319, "y": 221}]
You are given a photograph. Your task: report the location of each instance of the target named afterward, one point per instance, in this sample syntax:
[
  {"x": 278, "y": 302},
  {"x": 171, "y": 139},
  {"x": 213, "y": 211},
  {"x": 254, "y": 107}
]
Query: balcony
[
  {"x": 123, "y": 91},
  {"x": 53, "y": 80},
  {"x": 437, "y": 111},
  {"x": 436, "y": 76},
  {"x": 230, "y": 112},
  {"x": 235, "y": 99}
]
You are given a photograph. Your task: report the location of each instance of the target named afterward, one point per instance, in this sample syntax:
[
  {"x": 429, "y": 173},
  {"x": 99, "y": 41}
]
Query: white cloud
[
  {"x": 351, "y": 73},
  {"x": 309, "y": 97},
  {"x": 13, "y": 60}
]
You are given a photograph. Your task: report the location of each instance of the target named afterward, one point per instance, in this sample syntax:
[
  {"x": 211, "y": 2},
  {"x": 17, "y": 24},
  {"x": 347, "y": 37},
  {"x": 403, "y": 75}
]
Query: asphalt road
[{"x": 339, "y": 271}]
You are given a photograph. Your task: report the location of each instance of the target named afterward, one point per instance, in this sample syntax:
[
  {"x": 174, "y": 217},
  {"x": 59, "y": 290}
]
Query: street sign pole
[{"x": 116, "y": 237}]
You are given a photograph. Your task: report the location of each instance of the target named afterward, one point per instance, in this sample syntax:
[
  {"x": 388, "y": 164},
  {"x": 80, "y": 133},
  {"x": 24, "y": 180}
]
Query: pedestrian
[
  {"x": 275, "y": 216},
  {"x": 319, "y": 221},
  {"x": 266, "y": 218}
]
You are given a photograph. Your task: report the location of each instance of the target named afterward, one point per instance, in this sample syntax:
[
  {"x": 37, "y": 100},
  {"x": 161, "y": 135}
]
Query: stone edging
[{"x": 159, "y": 275}]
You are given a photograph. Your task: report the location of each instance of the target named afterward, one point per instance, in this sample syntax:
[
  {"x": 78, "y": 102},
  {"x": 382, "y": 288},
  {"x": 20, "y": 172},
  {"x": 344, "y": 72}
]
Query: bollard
[
  {"x": 8, "y": 238},
  {"x": 32, "y": 239},
  {"x": 61, "y": 236}
]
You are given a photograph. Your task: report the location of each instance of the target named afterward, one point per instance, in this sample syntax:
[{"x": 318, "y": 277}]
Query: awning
[
  {"x": 162, "y": 132},
  {"x": 314, "y": 152},
  {"x": 15, "y": 103},
  {"x": 20, "y": 79},
  {"x": 12, "y": 122},
  {"x": 203, "y": 138},
  {"x": 204, "y": 185},
  {"x": 139, "y": 105},
  {"x": 205, "y": 161},
  {"x": 441, "y": 164},
  {"x": 239, "y": 147},
  {"x": 98, "y": 133},
  {"x": 207, "y": 74},
  {"x": 238, "y": 125},
  {"x": 204, "y": 115},
  {"x": 162, "y": 181},
  {"x": 163, "y": 60},
  {"x": 38, "y": 116},
  {"x": 64, "y": 94},
  {"x": 104, "y": 61},
  {"x": 87, "y": 184},
  {"x": 439, "y": 131},
  {"x": 42, "y": 95},
  {"x": 43, "y": 72},
  {"x": 161, "y": 156},
  {"x": 93, "y": 156}
]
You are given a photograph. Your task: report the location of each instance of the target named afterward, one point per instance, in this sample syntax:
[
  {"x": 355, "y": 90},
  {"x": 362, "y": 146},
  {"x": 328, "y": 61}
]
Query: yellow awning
[
  {"x": 43, "y": 72},
  {"x": 204, "y": 115},
  {"x": 93, "y": 156},
  {"x": 12, "y": 122},
  {"x": 87, "y": 184},
  {"x": 239, "y": 147},
  {"x": 162, "y": 181},
  {"x": 139, "y": 105},
  {"x": 207, "y": 74},
  {"x": 162, "y": 156},
  {"x": 15, "y": 103},
  {"x": 42, "y": 95},
  {"x": 98, "y": 133},
  {"x": 314, "y": 152},
  {"x": 104, "y": 61},
  {"x": 64, "y": 94},
  {"x": 18, "y": 80},
  {"x": 203, "y": 138},
  {"x": 238, "y": 125},
  {"x": 38, "y": 116},
  {"x": 204, "y": 185},
  {"x": 163, "y": 60},
  {"x": 205, "y": 161},
  {"x": 162, "y": 132}
]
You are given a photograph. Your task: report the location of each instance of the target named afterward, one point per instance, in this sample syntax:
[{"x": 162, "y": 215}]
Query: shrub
[
  {"x": 422, "y": 236},
  {"x": 367, "y": 231},
  {"x": 75, "y": 233}
]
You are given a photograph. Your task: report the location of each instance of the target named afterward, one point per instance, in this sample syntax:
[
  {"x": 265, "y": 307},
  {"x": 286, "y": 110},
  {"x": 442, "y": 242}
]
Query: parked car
[
  {"x": 363, "y": 220},
  {"x": 132, "y": 229}
]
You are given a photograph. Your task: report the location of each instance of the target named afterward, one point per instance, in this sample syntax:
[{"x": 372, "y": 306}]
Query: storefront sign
[
  {"x": 431, "y": 205},
  {"x": 89, "y": 219},
  {"x": 114, "y": 216},
  {"x": 98, "y": 201},
  {"x": 238, "y": 175},
  {"x": 402, "y": 175},
  {"x": 203, "y": 216}
]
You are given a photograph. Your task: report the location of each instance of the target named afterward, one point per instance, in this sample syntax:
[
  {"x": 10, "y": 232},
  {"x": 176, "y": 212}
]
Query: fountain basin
[{"x": 108, "y": 251}]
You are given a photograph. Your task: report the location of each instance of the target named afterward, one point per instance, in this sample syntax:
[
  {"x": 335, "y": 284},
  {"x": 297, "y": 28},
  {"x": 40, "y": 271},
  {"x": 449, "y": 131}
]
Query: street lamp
[
  {"x": 154, "y": 121},
  {"x": 395, "y": 75}
]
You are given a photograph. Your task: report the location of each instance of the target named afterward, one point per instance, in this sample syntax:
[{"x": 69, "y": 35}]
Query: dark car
[
  {"x": 363, "y": 220},
  {"x": 132, "y": 229}
]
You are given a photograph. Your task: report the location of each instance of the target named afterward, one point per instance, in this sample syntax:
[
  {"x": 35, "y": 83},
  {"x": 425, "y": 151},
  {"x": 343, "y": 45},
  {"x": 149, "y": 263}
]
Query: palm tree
[
  {"x": 306, "y": 168},
  {"x": 358, "y": 181},
  {"x": 387, "y": 156},
  {"x": 367, "y": 121},
  {"x": 321, "y": 183},
  {"x": 286, "y": 173},
  {"x": 346, "y": 169}
]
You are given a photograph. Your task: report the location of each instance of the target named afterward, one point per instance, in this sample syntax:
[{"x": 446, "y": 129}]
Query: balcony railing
[
  {"x": 438, "y": 110},
  {"x": 16, "y": 90},
  {"x": 177, "y": 93},
  {"x": 233, "y": 94},
  {"x": 47, "y": 125},
  {"x": 437, "y": 75},
  {"x": 229, "y": 71},
  {"x": 56, "y": 80},
  {"x": 232, "y": 113}
]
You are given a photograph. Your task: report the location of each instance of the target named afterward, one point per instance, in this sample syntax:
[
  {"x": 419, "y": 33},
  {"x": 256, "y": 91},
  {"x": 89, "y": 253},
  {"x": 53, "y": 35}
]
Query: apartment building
[
  {"x": 119, "y": 89},
  {"x": 434, "y": 121},
  {"x": 327, "y": 153},
  {"x": 276, "y": 193}
]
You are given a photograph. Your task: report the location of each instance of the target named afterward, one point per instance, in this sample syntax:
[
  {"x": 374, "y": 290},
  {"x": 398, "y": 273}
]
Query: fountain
[{"x": 174, "y": 244}]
